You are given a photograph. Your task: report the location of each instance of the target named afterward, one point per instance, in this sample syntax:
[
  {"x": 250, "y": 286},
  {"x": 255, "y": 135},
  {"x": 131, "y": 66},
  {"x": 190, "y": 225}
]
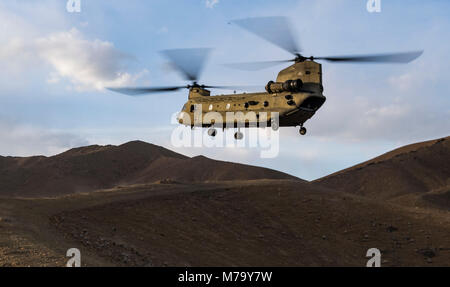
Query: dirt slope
[
  {"x": 239, "y": 223},
  {"x": 203, "y": 169},
  {"x": 418, "y": 169},
  {"x": 96, "y": 167}
]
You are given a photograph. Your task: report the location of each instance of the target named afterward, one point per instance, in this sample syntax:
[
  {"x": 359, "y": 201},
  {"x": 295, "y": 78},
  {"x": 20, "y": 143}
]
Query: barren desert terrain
[{"x": 142, "y": 205}]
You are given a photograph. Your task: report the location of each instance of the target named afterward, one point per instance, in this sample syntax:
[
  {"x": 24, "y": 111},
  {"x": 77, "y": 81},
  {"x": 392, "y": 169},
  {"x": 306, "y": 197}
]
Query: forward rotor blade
[
  {"x": 377, "y": 58},
  {"x": 189, "y": 62},
  {"x": 253, "y": 66},
  {"x": 144, "y": 90},
  {"x": 276, "y": 30}
]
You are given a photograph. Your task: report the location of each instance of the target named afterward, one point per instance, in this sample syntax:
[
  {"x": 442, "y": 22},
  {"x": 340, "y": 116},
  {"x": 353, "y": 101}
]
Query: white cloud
[
  {"x": 87, "y": 64},
  {"x": 28, "y": 140},
  {"x": 405, "y": 82},
  {"x": 211, "y": 3},
  {"x": 390, "y": 111}
]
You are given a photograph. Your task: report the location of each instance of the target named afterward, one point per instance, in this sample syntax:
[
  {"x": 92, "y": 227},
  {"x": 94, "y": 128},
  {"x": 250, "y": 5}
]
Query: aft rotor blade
[
  {"x": 254, "y": 66},
  {"x": 131, "y": 91},
  {"x": 189, "y": 62},
  {"x": 234, "y": 88},
  {"x": 277, "y": 30},
  {"x": 377, "y": 58}
]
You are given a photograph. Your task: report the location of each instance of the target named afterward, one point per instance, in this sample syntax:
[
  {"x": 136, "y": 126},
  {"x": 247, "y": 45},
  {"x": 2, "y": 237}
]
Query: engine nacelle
[{"x": 287, "y": 86}]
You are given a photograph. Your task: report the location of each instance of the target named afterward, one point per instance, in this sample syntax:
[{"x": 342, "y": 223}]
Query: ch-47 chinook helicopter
[{"x": 296, "y": 94}]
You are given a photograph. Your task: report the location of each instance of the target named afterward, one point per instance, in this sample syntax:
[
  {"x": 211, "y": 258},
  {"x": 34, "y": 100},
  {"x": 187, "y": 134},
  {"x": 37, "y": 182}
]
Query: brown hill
[
  {"x": 95, "y": 167},
  {"x": 414, "y": 169},
  {"x": 201, "y": 169},
  {"x": 180, "y": 219}
]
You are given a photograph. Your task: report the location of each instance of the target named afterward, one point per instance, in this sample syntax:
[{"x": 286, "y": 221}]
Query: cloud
[
  {"x": 211, "y": 3},
  {"x": 27, "y": 140},
  {"x": 88, "y": 64},
  {"x": 405, "y": 82}
]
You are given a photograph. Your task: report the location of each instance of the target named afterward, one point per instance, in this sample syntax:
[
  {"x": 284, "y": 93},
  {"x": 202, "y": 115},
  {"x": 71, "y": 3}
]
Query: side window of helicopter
[{"x": 210, "y": 107}]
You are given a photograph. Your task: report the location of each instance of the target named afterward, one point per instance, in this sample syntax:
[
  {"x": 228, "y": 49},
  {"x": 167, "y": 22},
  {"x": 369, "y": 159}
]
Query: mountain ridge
[
  {"x": 95, "y": 167},
  {"x": 417, "y": 168}
]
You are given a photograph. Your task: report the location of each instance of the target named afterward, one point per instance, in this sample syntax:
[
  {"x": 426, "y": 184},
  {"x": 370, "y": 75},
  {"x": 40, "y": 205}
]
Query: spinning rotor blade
[
  {"x": 377, "y": 58},
  {"x": 400, "y": 58},
  {"x": 276, "y": 30},
  {"x": 253, "y": 66},
  {"x": 144, "y": 90},
  {"x": 233, "y": 88},
  {"x": 139, "y": 91},
  {"x": 189, "y": 62}
]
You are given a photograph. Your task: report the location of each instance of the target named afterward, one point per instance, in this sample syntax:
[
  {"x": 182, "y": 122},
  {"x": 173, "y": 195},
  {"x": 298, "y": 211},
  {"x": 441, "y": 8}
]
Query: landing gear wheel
[
  {"x": 238, "y": 135},
  {"x": 212, "y": 132},
  {"x": 302, "y": 131},
  {"x": 275, "y": 125}
]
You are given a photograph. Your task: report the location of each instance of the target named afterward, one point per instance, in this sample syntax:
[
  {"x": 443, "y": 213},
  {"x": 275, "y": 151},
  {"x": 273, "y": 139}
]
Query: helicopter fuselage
[{"x": 295, "y": 96}]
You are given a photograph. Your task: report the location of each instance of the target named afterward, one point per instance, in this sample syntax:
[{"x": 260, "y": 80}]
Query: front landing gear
[{"x": 302, "y": 131}]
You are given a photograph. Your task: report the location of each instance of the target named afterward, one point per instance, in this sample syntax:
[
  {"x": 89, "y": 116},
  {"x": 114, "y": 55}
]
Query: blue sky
[{"x": 54, "y": 65}]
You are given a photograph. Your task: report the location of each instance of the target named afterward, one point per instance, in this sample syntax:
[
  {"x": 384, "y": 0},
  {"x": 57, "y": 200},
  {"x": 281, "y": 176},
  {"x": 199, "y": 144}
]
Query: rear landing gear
[
  {"x": 275, "y": 125},
  {"x": 238, "y": 135},
  {"x": 302, "y": 131},
  {"x": 212, "y": 132}
]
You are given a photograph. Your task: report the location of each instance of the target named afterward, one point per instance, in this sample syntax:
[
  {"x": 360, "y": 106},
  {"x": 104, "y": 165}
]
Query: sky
[{"x": 54, "y": 66}]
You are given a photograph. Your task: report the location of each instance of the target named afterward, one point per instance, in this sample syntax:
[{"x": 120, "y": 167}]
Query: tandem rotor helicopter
[{"x": 296, "y": 94}]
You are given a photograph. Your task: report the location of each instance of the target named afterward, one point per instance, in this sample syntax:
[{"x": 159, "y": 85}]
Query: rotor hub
[{"x": 300, "y": 58}]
